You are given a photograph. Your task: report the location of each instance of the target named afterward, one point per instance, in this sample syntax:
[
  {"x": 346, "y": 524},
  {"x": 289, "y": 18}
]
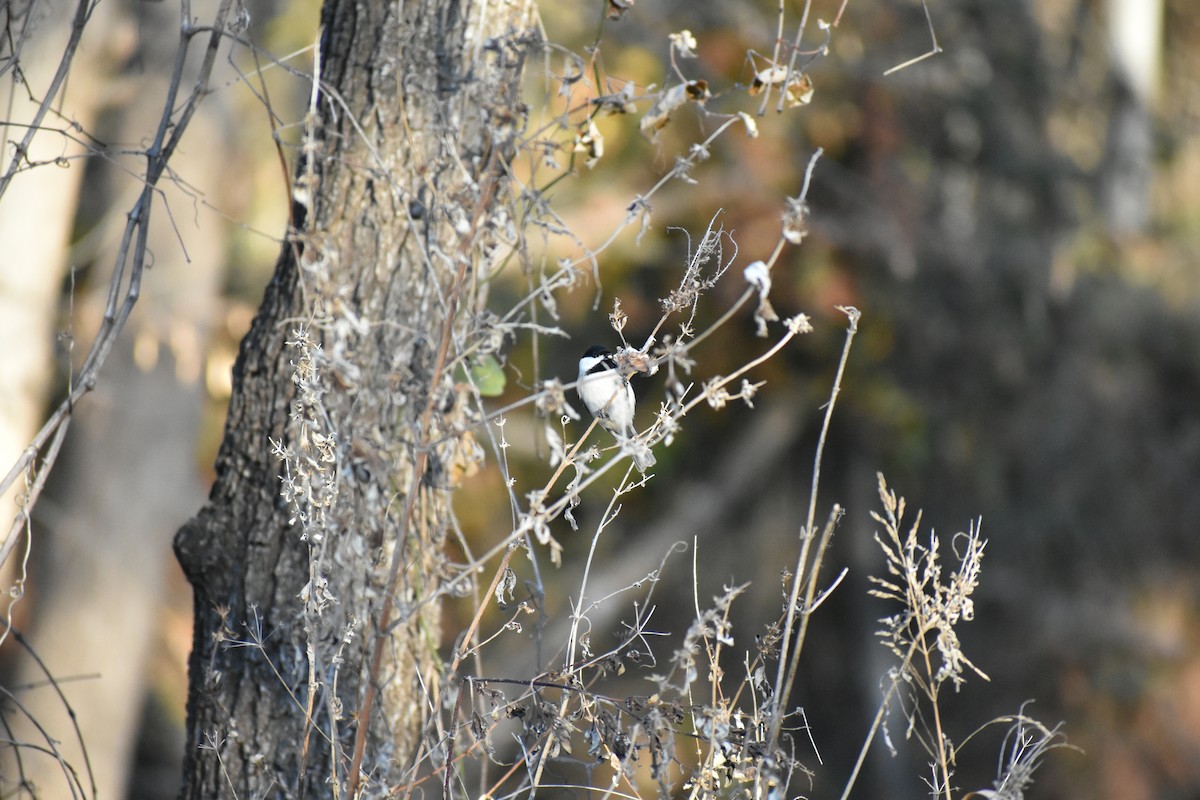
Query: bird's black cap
[{"x": 597, "y": 350}]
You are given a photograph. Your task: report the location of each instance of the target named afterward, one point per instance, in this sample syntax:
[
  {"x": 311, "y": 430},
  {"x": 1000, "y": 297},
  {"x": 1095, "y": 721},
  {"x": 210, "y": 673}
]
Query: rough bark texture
[{"x": 402, "y": 177}]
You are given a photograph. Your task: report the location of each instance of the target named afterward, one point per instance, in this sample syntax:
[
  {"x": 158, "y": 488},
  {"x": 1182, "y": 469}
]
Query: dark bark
[
  {"x": 401, "y": 180},
  {"x": 241, "y": 557}
]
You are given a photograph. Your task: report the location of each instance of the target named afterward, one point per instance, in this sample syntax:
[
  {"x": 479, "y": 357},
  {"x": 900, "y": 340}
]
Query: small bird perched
[
  {"x": 605, "y": 391},
  {"x": 609, "y": 398}
]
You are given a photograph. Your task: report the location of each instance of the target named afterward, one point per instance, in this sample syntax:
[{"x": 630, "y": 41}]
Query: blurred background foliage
[{"x": 1017, "y": 218}]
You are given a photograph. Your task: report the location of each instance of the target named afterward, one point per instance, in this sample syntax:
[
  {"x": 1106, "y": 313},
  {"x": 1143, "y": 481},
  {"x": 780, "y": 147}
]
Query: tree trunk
[
  {"x": 36, "y": 216},
  {"x": 121, "y": 486},
  {"x": 316, "y": 608},
  {"x": 1135, "y": 37}
]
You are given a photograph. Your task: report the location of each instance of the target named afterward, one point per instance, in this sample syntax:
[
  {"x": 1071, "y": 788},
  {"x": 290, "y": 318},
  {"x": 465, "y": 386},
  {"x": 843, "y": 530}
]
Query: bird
[
  {"x": 609, "y": 398},
  {"x": 605, "y": 391}
]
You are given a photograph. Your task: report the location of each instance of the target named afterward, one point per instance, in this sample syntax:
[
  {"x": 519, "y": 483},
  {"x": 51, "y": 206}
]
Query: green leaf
[{"x": 487, "y": 374}]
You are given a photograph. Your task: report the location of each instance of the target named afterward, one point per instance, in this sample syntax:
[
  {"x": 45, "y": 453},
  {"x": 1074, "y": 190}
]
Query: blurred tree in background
[{"x": 1016, "y": 216}]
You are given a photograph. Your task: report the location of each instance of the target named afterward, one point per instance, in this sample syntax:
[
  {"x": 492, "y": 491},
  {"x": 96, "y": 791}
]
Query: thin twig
[
  {"x": 42, "y": 452},
  {"x": 791, "y": 653},
  {"x": 934, "y": 47}
]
